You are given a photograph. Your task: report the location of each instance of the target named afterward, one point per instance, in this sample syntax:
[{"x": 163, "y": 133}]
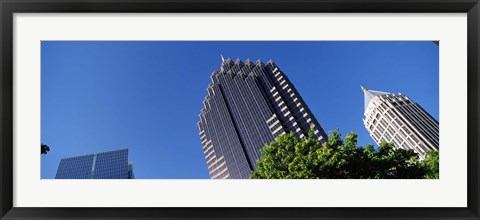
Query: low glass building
[{"x": 106, "y": 165}]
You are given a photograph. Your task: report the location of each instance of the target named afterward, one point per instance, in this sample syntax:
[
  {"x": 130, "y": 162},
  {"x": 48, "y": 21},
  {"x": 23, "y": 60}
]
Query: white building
[{"x": 397, "y": 119}]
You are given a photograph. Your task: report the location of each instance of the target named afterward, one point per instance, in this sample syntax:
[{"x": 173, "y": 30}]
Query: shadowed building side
[{"x": 248, "y": 105}]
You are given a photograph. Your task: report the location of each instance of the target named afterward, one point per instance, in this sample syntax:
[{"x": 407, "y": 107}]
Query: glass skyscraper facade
[
  {"x": 399, "y": 120},
  {"x": 248, "y": 105},
  {"x": 106, "y": 165}
]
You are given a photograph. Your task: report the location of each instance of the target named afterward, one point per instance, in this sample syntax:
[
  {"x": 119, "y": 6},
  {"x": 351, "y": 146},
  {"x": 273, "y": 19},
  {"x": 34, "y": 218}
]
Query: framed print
[{"x": 233, "y": 109}]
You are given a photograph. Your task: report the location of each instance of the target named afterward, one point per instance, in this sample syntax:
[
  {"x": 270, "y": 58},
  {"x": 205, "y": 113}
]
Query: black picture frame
[{"x": 9, "y": 7}]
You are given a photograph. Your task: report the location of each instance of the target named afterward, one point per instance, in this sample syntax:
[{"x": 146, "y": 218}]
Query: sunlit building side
[{"x": 397, "y": 119}]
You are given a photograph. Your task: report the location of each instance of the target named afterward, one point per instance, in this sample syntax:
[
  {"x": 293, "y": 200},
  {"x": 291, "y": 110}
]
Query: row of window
[{"x": 221, "y": 124}]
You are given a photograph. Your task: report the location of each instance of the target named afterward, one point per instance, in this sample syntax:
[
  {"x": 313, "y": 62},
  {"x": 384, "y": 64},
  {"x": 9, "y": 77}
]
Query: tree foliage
[
  {"x": 292, "y": 158},
  {"x": 431, "y": 165},
  {"x": 44, "y": 149}
]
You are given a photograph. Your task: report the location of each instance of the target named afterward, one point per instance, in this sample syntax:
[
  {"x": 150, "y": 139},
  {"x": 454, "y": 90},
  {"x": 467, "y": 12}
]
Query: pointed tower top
[
  {"x": 363, "y": 88},
  {"x": 223, "y": 59},
  {"x": 371, "y": 94}
]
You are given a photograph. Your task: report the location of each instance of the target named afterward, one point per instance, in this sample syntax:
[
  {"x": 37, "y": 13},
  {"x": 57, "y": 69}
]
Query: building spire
[
  {"x": 363, "y": 88},
  {"x": 223, "y": 59},
  {"x": 369, "y": 95}
]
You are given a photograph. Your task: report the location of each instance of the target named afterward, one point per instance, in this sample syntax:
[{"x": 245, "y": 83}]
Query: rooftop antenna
[{"x": 223, "y": 60}]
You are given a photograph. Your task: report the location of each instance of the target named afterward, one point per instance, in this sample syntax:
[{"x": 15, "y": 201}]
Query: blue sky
[{"x": 146, "y": 95}]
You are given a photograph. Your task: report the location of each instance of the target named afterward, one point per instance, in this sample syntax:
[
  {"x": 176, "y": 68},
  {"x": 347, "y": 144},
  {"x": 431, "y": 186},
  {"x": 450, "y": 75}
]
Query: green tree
[
  {"x": 292, "y": 158},
  {"x": 431, "y": 165},
  {"x": 44, "y": 149}
]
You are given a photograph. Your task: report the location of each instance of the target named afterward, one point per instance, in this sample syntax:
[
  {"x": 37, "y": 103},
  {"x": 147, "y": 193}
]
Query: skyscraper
[
  {"x": 397, "y": 119},
  {"x": 106, "y": 165},
  {"x": 248, "y": 105}
]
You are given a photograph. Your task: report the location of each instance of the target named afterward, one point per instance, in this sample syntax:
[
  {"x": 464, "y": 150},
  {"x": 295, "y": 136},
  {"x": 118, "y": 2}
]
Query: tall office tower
[
  {"x": 248, "y": 105},
  {"x": 106, "y": 165},
  {"x": 399, "y": 120}
]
